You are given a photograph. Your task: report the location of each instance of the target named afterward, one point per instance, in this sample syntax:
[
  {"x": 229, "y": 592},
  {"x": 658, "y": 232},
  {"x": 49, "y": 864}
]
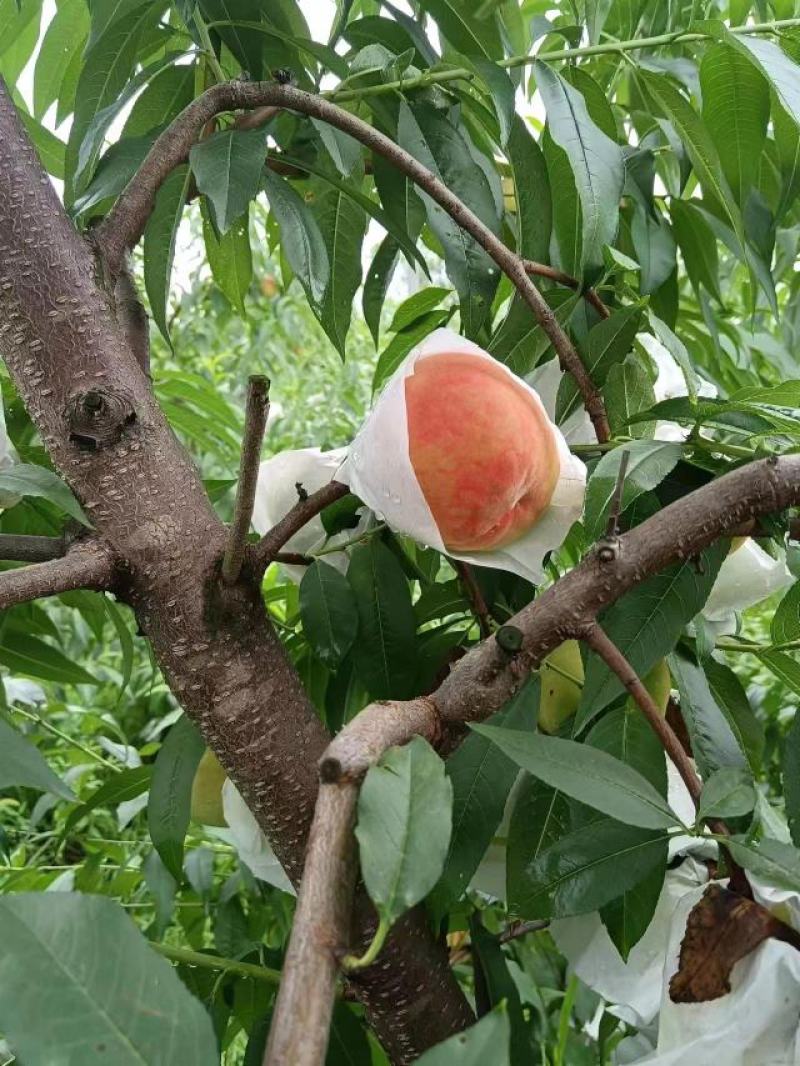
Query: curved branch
[
  {"x": 544, "y": 270},
  {"x": 303, "y": 511},
  {"x": 125, "y": 223},
  {"x": 481, "y": 682},
  {"x": 85, "y": 566},
  {"x": 602, "y": 645}
]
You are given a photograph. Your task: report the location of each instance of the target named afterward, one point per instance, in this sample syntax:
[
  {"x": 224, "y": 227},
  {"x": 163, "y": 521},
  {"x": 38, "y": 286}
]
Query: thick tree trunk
[{"x": 99, "y": 420}]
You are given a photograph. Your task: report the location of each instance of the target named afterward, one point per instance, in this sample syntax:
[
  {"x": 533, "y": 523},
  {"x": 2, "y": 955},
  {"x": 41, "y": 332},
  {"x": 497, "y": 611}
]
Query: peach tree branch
[
  {"x": 124, "y": 224},
  {"x": 85, "y": 566},
  {"x": 481, "y": 682},
  {"x": 255, "y": 423}
]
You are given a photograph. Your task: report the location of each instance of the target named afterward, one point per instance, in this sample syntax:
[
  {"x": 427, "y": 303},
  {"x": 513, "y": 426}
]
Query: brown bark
[{"x": 105, "y": 433}]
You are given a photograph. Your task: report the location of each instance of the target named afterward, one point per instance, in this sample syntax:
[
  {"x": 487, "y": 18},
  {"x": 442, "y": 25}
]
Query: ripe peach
[{"x": 482, "y": 448}]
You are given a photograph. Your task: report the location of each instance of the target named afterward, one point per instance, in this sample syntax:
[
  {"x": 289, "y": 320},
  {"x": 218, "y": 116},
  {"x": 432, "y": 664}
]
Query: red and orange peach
[{"x": 482, "y": 448}]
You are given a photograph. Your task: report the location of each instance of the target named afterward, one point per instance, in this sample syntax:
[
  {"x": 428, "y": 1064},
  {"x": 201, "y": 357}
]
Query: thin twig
[
  {"x": 255, "y": 423},
  {"x": 520, "y": 928},
  {"x": 292, "y": 559},
  {"x": 302, "y": 512},
  {"x": 204, "y": 961},
  {"x": 602, "y": 645},
  {"x": 615, "y": 507},
  {"x": 473, "y": 590},
  {"x": 24, "y": 548},
  {"x": 124, "y": 224},
  {"x": 86, "y": 566},
  {"x": 544, "y": 270}
]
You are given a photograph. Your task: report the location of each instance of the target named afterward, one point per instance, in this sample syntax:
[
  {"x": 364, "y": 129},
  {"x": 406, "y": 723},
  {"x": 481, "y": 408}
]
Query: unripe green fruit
[
  {"x": 659, "y": 684},
  {"x": 206, "y": 806},
  {"x": 561, "y": 675}
]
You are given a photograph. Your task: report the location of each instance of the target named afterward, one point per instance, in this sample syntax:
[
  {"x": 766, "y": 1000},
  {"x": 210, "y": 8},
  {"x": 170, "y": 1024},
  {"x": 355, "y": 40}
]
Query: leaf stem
[
  {"x": 208, "y": 48},
  {"x": 353, "y": 962},
  {"x": 64, "y": 736},
  {"x": 609, "y": 47},
  {"x": 218, "y": 962},
  {"x": 331, "y": 549}
]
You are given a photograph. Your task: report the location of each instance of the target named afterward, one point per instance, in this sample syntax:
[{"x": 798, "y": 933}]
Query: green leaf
[
  {"x": 49, "y": 148},
  {"x": 736, "y": 113},
  {"x": 777, "y": 67},
  {"x": 125, "y": 640},
  {"x": 609, "y": 343},
  {"x": 170, "y": 793},
  {"x": 401, "y": 344},
  {"x": 540, "y": 817},
  {"x": 786, "y": 620},
  {"x": 627, "y": 392},
  {"x": 714, "y": 744},
  {"x": 376, "y": 285},
  {"x": 787, "y": 144},
  {"x": 727, "y": 793},
  {"x": 161, "y": 100},
  {"x": 63, "y": 38},
  {"x": 500, "y": 989},
  {"x": 587, "y": 774},
  {"x": 441, "y": 147},
  {"x": 646, "y": 622},
  {"x": 75, "y": 960},
  {"x": 784, "y": 667},
  {"x": 114, "y": 171},
  {"x": 566, "y": 206},
  {"x": 227, "y": 168},
  {"x": 649, "y": 462},
  {"x": 108, "y": 63},
  {"x": 159, "y": 244},
  {"x": 627, "y": 918},
  {"x": 417, "y": 305},
  {"x": 24, "y": 479},
  {"x": 731, "y": 698},
  {"x": 487, "y": 1041},
  {"x": 344, "y": 150},
  {"x": 230, "y": 258},
  {"x": 21, "y": 763},
  {"x": 778, "y": 864},
  {"x": 482, "y": 777},
  {"x": 596, "y": 161},
  {"x": 698, "y": 246},
  {"x": 343, "y": 224},
  {"x": 328, "y": 612},
  {"x": 301, "y": 240},
  {"x": 25, "y": 654},
  {"x": 348, "y": 1044},
  {"x": 468, "y": 32},
  {"x": 386, "y": 644},
  {"x": 626, "y": 734},
  {"x": 121, "y": 787},
  {"x": 403, "y": 830},
  {"x": 586, "y": 869},
  {"x": 698, "y": 143},
  {"x": 501, "y": 90},
  {"x": 790, "y": 771},
  {"x": 531, "y": 192}
]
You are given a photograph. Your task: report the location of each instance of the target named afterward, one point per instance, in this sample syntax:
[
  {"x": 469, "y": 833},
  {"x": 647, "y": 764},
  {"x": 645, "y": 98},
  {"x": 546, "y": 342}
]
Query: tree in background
[{"x": 579, "y": 465}]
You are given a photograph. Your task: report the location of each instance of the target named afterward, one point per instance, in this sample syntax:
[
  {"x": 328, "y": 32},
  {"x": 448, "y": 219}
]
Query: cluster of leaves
[{"x": 663, "y": 169}]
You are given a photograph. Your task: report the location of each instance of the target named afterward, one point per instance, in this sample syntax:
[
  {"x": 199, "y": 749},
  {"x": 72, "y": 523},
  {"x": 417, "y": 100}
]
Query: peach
[{"x": 483, "y": 450}]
